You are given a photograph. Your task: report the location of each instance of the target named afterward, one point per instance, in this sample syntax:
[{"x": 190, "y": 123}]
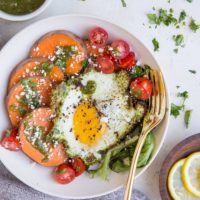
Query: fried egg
[{"x": 91, "y": 123}]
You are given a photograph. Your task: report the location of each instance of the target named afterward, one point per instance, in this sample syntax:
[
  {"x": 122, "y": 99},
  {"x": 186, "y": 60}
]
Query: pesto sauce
[
  {"x": 63, "y": 54},
  {"x": 20, "y": 7},
  {"x": 89, "y": 88},
  {"x": 31, "y": 97},
  {"x": 37, "y": 137}
]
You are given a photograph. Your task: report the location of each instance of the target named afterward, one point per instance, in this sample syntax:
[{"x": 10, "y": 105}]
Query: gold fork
[{"x": 155, "y": 114}]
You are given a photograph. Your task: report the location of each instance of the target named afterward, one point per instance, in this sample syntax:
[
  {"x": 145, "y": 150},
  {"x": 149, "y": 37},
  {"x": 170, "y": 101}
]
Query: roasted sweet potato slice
[
  {"x": 40, "y": 118},
  {"x": 48, "y": 46},
  {"x": 28, "y": 94}
]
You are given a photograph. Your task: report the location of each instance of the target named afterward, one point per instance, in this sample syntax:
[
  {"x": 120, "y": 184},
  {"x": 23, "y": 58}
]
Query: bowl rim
[
  {"x": 31, "y": 15},
  {"x": 167, "y": 115}
]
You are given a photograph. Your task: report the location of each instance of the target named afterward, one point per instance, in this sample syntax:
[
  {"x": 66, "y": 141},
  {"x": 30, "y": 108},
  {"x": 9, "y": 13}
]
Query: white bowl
[
  {"x": 38, "y": 11},
  {"x": 39, "y": 177}
]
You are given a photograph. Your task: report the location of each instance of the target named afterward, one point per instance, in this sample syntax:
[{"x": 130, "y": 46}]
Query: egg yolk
[{"x": 86, "y": 124}]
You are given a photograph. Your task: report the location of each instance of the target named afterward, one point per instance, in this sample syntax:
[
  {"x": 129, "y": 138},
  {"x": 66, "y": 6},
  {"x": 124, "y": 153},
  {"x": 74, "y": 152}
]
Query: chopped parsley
[
  {"x": 194, "y": 26},
  {"x": 184, "y": 95},
  {"x": 123, "y": 3},
  {"x": 155, "y": 44},
  {"x": 192, "y": 71},
  {"x": 61, "y": 171},
  {"x": 179, "y": 39},
  {"x": 44, "y": 68},
  {"x": 182, "y": 16},
  {"x": 190, "y": 1},
  {"x": 187, "y": 117},
  {"x": 22, "y": 111},
  {"x": 153, "y": 19},
  {"x": 139, "y": 71},
  {"x": 176, "y": 50},
  {"x": 165, "y": 17},
  {"x": 175, "y": 109},
  {"x": 85, "y": 63},
  {"x": 36, "y": 136},
  {"x": 31, "y": 98}
]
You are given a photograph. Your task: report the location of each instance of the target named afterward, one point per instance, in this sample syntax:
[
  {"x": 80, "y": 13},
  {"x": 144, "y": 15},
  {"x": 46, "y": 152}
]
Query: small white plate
[
  {"x": 39, "y": 177},
  {"x": 31, "y": 15}
]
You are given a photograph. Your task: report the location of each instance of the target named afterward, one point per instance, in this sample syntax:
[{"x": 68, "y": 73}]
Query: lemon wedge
[
  {"x": 191, "y": 174},
  {"x": 175, "y": 183}
]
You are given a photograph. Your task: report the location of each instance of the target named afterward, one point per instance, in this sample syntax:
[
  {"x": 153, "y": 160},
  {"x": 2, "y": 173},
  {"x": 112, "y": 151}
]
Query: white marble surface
[{"x": 175, "y": 66}]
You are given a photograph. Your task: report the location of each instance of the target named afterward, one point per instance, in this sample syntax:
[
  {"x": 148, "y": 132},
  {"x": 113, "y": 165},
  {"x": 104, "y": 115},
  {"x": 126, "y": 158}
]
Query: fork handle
[{"x": 131, "y": 176}]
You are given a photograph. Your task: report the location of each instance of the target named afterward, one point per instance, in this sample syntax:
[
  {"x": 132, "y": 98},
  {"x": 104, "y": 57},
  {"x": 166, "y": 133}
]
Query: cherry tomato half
[
  {"x": 128, "y": 62},
  {"x": 64, "y": 174},
  {"x": 120, "y": 49},
  {"x": 105, "y": 64},
  {"x": 10, "y": 141},
  {"x": 78, "y": 165},
  {"x": 98, "y": 36},
  {"x": 141, "y": 88}
]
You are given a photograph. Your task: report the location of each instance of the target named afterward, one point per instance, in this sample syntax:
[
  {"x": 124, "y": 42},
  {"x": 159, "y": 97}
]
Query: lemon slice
[
  {"x": 191, "y": 174},
  {"x": 175, "y": 183}
]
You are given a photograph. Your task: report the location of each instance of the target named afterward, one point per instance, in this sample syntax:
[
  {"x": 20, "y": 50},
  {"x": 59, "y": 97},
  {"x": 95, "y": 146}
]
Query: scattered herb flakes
[
  {"x": 175, "y": 110},
  {"x": 85, "y": 63},
  {"x": 153, "y": 19},
  {"x": 184, "y": 95},
  {"x": 187, "y": 117},
  {"x": 179, "y": 39},
  {"x": 123, "y": 3},
  {"x": 177, "y": 86},
  {"x": 176, "y": 50},
  {"x": 182, "y": 16},
  {"x": 63, "y": 54},
  {"x": 165, "y": 17},
  {"x": 155, "y": 44},
  {"x": 192, "y": 71},
  {"x": 61, "y": 171},
  {"x": 22, "y": 111},
  {"x": 193, "y": 25},
  {"x": 190, "y": 1}
]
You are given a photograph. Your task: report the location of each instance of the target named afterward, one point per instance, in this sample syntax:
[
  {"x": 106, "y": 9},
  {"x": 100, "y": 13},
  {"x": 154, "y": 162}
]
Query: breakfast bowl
[
  {"x": 21, "y": 166},
  {"x": 29, "y": 14}
]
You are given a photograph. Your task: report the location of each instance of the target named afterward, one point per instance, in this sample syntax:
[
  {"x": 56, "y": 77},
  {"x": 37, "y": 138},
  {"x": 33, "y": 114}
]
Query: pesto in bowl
[{"x": 20, "y": 7}]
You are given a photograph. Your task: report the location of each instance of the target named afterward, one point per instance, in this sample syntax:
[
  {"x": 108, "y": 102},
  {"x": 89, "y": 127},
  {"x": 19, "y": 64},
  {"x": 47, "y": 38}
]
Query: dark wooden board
[{"x": 181, "y": 150}]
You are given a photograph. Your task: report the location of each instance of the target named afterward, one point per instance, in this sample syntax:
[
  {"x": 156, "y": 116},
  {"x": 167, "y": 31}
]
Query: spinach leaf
[
  {"x": 118, "y": 159},
  {"x": 103, "y": 169},
  {"x": 147, "y": 150},
  {"x": 119, "y": 166}
]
